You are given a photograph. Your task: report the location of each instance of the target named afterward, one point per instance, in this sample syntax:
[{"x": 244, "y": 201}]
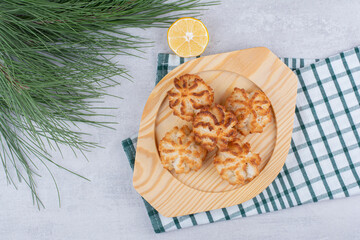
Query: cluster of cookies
[{"x": 215, "y": 127}]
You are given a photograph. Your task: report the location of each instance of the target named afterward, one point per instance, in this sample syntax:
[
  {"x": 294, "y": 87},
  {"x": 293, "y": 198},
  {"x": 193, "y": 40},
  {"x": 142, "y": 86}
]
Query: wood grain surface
[{"x": 179, "y": 194}]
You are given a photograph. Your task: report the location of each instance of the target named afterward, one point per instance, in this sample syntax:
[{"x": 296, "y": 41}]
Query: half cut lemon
[{"x": 188, "y": 37}]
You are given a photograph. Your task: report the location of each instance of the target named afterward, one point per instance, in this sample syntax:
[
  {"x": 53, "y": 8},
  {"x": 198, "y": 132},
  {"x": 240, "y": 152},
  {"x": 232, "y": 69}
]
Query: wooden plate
[{"x": 180, "y": 194}]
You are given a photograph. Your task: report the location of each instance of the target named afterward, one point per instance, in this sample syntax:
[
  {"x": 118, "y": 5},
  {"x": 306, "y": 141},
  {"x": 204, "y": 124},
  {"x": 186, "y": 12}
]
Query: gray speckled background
[{"x": 109, "y": 208}]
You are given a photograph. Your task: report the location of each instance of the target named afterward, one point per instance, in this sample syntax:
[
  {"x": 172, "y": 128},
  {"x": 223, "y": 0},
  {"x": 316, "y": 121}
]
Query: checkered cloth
[{"x": 324, "y": 157}]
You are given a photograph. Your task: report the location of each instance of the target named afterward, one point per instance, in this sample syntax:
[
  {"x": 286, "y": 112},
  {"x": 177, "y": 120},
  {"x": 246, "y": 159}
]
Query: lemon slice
[{"x": 188, "y": 37}]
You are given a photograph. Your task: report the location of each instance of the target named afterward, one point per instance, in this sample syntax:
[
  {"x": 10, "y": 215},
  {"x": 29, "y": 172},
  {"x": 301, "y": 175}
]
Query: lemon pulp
[{"x": 188, "y": 37}]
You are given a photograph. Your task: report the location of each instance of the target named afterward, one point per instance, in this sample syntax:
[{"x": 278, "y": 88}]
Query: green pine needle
[{"x": 55, "y": 64}]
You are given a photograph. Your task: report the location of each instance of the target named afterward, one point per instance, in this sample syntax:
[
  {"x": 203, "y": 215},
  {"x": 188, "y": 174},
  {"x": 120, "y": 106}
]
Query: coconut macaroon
[
  {"x": 189, "y": 94},
  {"x": 237, "y": 164},
  {"x": 252, "y": 110},
  {"x": 214, "y": 126},
  {"x": 179, "y": 151}
]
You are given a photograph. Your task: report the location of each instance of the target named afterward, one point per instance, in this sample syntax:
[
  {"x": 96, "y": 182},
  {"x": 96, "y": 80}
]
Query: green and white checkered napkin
[{"x": 324, "y": 157}]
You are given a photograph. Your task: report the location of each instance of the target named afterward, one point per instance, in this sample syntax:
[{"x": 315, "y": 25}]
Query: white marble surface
[{"x": 109, "y": 208}]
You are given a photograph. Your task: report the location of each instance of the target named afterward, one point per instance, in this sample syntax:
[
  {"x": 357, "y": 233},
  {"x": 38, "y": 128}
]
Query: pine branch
[{"x": 55, "y": 63}]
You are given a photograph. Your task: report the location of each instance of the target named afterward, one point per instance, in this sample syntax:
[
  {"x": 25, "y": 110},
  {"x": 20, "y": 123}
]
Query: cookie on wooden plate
[
  {"x": 237, "y": 164},
  {"x": 214, "y": 126},
  {"x": 252, "y": 110},
  {"x": 189, "y": 94},
  {"x": 179, "y": 151}
]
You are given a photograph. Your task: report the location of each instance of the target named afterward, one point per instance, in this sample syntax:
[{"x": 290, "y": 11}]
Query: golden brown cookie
[
  {"x": 214, "y": 126},
  {"x": 179, "y": 151},
  {"x": 237, "y": 164},
  {"x": 189, "y": 94},
  {"x": 252, "y": 110}
]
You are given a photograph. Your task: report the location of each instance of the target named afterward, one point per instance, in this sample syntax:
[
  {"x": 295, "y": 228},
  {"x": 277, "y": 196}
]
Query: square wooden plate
[{"x": 180, "y": 194}]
